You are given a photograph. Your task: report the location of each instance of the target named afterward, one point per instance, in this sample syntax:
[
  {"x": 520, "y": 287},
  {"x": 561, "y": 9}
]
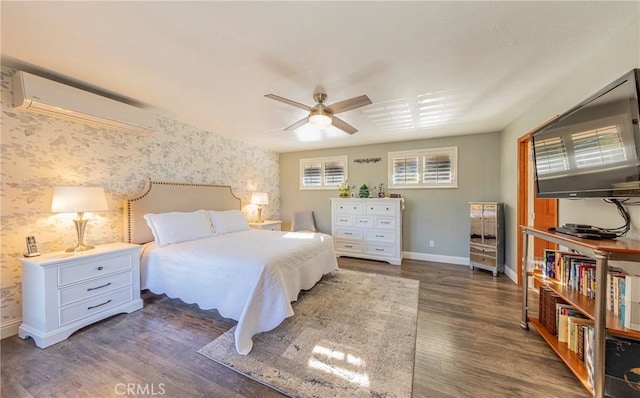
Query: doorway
[{"x": 532, "y": 211}]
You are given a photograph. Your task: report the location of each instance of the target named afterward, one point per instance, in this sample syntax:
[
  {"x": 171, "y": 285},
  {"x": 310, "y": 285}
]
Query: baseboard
[
  {"x": 438, "y": 258},
  {"x": 10, "y": 328},
  {"x": 511, "y": 274}
]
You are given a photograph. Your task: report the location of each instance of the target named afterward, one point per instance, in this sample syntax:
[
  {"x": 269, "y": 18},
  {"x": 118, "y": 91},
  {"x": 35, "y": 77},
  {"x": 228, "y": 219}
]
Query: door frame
[{"x": 523, "y": 191}]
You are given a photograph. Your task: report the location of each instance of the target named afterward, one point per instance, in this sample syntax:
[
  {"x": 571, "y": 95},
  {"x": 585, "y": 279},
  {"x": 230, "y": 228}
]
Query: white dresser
[
  {"x": 63, "y": 292},
  {"x": 368, "y": 228}
]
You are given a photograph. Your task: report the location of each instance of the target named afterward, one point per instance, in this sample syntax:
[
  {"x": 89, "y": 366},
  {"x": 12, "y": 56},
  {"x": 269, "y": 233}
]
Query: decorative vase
[
  {"x": 364, "y": 191},
  {"x": 344, "y": 193}
]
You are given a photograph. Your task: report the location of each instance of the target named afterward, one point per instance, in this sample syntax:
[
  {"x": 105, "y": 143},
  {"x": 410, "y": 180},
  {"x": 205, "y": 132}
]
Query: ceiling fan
[{"x": 322, "y": 115}]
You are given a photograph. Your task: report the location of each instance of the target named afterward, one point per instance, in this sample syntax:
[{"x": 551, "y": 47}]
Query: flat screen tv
[{"x": 592, "y": 150}]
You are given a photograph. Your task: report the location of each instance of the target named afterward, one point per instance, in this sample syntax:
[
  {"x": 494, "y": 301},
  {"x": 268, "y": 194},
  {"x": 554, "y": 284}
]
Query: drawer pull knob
[
  {"x": 379, "y": 250},
  {"x": 387, "y": 209},
  {"x": 385, "y": 222},
  {"x": 348, "y": 233},
  {"x": 379, "y": 236},
  {"x": 100, "y": 268},
  {"x": 99, "y": 305},
  {"x": 98, "y": 287},
  {"x": 348, "y": 246}
]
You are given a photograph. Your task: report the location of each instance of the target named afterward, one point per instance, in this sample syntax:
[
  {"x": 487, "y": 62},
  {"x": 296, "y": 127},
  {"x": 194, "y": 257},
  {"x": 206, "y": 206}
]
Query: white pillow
[
  {"x": 175, "y": 227},
  {"x": 228, "y": 221}
]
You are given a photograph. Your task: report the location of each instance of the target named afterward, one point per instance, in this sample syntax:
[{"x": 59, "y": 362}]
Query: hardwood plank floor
[{"x": 469, "y": 344}]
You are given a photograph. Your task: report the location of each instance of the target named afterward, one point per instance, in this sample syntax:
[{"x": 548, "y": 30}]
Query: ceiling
[{"x": 431, "y": 69}]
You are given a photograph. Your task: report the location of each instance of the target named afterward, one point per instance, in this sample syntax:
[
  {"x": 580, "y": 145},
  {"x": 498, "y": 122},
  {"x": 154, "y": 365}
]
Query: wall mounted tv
[{"x": 592, "y": 150}]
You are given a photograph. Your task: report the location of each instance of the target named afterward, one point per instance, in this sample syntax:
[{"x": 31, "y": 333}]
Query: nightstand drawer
[
  {"x": 95, "y": 305},
  {"x": 94, "y": 287},
  {"x": 92, "y": 269}
]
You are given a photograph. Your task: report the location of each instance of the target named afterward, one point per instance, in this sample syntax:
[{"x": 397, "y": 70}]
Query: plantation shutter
[
  {"x": 437, "y": 169},
  {"x": 312, "y": 176},
  {"x": 405, "y": 170},
  {"x": 333, "y": 172}
]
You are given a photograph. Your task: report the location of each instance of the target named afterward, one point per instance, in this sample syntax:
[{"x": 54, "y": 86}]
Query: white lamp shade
[
  {"x": 78, "y": 199},
  {"x": 260, "y": 198}
]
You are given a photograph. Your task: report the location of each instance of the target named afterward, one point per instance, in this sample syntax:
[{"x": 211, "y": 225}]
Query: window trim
[
  {"x": 322, "y": 161},
  {"x": 452, "y": 152}
]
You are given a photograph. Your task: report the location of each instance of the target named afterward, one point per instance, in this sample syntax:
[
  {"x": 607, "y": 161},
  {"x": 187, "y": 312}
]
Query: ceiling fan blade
[
  {"x": 347, "y": 105},
  {"x": 342, "y": 125},
  {"x": 297, "y": 124},
  {"x": 288, "y": 101}
]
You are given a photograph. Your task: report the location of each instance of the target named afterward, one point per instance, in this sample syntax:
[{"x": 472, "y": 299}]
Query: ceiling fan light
[{"x": 320, "y": 120}]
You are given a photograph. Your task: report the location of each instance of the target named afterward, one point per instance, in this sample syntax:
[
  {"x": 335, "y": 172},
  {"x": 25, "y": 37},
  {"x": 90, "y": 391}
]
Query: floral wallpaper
[{"x": 40, "y": 152}]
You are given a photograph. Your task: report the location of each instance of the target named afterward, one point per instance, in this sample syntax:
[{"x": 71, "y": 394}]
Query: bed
[{"x": 251, "y": 276}]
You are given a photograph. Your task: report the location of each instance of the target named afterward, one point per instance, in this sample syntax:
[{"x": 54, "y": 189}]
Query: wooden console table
[{"x": 620, "y": 249}]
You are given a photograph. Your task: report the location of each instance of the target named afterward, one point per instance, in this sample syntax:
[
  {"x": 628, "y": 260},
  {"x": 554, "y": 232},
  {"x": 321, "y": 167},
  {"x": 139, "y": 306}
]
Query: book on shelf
[
  {"x": 632, "y": 302},
  {"x": 589, "y": 342},
  {"x": 575, "y": 324}
]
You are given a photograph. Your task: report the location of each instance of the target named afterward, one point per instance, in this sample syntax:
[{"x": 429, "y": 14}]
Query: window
[
  {"x": 323, "y": 173},
  {"x": 424, "y": 168}
]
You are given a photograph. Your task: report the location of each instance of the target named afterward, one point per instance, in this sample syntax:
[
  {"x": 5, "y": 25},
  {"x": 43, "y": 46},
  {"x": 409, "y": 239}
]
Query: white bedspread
[{"x": 249, "y": 276}]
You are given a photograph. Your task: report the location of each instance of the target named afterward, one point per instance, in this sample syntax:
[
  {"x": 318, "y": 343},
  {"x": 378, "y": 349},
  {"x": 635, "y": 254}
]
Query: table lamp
[
  {"x": 78, "y": 200},
  {"x": 260, "y": 199}
]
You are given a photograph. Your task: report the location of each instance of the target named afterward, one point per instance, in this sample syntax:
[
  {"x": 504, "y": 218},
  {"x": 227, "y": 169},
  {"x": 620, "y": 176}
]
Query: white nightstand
[
  {"x": 63, "y": 292},
  {"x": 269, "y": 225}
]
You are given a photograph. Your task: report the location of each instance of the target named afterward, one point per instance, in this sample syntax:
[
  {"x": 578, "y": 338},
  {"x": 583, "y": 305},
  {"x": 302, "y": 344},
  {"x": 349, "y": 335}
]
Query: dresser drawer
[
  {"x": 95, "y": 305},
  {"x": 483, "y": 250},
  {"x": 344, "y": 246},
  {"x": 364, "y": 221},
  {"x": 93, "y": 268},
  {"x": 345, "y": 233},
  {"x": 484, "y": 260},
  {"x": 381, "y": 208},
  {"x": 382, "y": 236},
  {"x": 344, "y": 221},
  {"x": 94, "y": 287},
  {"x": 385, "y": 222},
  {"x": 349, "y": 208},
  {"x": 380, "y": 250}
]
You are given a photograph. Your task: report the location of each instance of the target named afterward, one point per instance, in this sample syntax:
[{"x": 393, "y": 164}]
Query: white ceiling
[{"x": 431, "y": 68}]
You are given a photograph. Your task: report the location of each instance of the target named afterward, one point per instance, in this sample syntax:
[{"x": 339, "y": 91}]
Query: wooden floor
[{"x": 469, "y": 344}]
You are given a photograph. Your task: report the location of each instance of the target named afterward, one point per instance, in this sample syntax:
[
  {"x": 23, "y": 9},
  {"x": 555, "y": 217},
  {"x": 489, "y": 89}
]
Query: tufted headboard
[{"x": 163, "y": 197}]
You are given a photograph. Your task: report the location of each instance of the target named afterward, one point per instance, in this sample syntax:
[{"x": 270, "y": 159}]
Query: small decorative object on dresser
[
  {"x": 271, "y": 225},
  {"x": 63, "y": 292},
  {"x": 364, "y": 191},
  {"x": 344, "y": 189}
]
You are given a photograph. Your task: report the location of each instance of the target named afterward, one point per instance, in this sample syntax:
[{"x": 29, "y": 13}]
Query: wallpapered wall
[{"x": 40, "y": 152}]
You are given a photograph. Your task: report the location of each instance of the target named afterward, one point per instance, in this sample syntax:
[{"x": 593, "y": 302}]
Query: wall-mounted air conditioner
[{"x": 36, "y": 94}]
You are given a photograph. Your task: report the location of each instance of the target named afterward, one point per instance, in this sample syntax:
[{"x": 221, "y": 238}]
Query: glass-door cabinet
[{"x": 486, "y": 247}]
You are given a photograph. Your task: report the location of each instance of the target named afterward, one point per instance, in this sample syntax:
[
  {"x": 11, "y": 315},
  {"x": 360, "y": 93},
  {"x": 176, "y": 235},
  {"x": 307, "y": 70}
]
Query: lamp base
[{"x": 79, "y": 248}]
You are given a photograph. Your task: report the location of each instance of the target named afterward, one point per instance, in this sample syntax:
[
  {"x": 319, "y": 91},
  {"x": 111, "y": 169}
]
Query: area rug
[{"x": 352, "y": 335}]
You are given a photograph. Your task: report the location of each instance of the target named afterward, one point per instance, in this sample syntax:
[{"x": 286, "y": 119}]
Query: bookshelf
[{"x": 602, "y": 251}]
